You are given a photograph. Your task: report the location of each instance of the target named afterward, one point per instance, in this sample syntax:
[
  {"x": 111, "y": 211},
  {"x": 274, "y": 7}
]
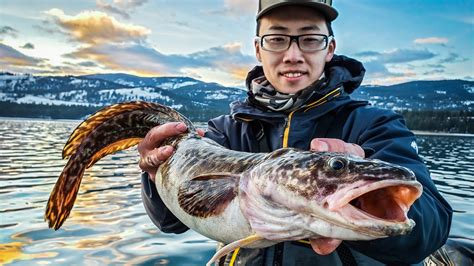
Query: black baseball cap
[{"x": 323, "y": 6}]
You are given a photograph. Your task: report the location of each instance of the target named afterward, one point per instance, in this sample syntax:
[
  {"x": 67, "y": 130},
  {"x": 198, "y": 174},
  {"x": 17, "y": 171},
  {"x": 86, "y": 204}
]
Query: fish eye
[{"x": 337, "y": 163}]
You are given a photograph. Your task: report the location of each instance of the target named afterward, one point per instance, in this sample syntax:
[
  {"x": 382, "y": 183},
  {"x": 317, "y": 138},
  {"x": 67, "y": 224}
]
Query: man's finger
[
  {"x": 200, "y": 132},
  {"x": 153, "y": 159},
  {"x": 324, "y": 246},
  {"x": 159, "y": 133},
  {"x": 318, "y": 145},
  {"x": 336, "y": 145},
  {"x": 327, "y": 144},
  {"x": 160, "y": 155},
  {"x": 355, "y": 149}
]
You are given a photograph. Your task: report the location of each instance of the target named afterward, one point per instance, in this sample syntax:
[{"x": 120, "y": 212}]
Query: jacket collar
[{"x": 244, "y": 111}]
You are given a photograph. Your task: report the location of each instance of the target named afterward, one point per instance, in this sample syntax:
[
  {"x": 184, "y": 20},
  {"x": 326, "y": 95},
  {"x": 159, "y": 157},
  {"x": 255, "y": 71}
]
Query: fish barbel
[{"x": 246, "y": 199}]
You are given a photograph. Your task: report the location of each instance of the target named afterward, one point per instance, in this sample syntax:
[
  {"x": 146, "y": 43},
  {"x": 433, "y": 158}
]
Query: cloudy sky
[{"x": 212, "y": 40}]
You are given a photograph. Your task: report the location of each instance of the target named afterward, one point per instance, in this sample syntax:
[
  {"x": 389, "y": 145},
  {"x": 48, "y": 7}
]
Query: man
[{"x": 299, "y": 98}]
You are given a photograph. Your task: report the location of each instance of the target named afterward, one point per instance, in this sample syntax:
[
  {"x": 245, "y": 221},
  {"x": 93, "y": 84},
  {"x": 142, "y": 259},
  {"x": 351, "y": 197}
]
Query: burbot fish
[{"x": 243, "y": 199}]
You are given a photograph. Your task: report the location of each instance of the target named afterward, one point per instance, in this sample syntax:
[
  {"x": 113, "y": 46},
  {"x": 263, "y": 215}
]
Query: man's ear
[
  {"x": 257, "y": 50},
  {"x": 331, "y": 50}
]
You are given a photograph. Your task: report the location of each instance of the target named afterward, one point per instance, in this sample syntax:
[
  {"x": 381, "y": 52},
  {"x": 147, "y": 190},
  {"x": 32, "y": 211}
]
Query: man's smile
[{"x": 293, "y": 74}]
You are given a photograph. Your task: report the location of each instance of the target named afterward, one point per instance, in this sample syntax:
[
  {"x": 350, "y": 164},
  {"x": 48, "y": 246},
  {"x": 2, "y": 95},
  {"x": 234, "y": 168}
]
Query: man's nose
[{"x": 293, "y": 54}]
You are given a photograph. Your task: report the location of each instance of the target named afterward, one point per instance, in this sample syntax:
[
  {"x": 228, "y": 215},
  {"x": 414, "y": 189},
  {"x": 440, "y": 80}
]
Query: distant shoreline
[
  {"x": 448, "y": 134},
  {"x": 14, "y": 118},
  {"x": 416, "y": 132}
]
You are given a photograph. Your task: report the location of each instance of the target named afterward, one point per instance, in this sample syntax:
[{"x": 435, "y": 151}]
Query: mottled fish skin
[
  {"x": 199, "y": 184},
  {"x": 310, "y": 175},
  {"x": 196, "y": 156}
]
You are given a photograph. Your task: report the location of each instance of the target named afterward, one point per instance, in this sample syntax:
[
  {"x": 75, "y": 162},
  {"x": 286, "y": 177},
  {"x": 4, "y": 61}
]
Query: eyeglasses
[{"x": 282, "y": 42}]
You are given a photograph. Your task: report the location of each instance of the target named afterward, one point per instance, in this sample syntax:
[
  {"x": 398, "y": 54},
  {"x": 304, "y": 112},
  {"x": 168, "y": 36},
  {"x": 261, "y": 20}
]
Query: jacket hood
[{"x": 345, "y": 71}]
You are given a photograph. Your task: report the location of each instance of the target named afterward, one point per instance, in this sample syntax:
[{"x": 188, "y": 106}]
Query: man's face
[{"x": 293, "y": 70}]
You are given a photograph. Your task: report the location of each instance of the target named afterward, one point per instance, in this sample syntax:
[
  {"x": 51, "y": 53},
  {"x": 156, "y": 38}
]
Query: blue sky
[{"x": 212, "y": 40}]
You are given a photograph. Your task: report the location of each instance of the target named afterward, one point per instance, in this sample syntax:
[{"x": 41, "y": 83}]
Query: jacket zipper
[
  {"x": 286, "y": 133},
  {"x": 334, "y": 93}
]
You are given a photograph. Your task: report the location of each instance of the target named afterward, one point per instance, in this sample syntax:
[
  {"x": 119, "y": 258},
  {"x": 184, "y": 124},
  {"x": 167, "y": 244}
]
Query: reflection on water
[
  {"x": 108, "y": 224},
  {"x": 451, "y": 163}
]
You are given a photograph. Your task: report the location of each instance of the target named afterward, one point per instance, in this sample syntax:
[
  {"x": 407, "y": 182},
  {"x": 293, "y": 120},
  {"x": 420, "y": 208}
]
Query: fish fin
[
  {"x": 232, "y": 246},
  {"x": 64, "y": 193},
  {"x": 116, "y": 146},
  {"x": 208, "y": 195}
]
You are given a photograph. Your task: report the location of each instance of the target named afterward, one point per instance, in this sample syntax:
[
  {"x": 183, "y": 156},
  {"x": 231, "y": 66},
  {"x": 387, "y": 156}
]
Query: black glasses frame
[{"x": 295, "y": 38}]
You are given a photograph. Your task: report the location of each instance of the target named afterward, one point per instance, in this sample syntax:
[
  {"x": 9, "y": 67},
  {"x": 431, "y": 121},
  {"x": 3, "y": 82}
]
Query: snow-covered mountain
[
  {"x": 421, "y": 95},
  {"x": 134, "y": 81},
  {"x": 182, "y": 93},
  {"x": 198, "y": 99}
]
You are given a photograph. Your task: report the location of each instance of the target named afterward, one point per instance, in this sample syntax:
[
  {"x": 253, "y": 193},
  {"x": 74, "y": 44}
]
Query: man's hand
[
  {"x": 325, "y": 246},
  {"x": 151, "y": 157}
]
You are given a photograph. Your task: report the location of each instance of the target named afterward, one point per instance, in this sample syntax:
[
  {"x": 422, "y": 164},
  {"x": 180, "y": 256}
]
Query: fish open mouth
[{"x": 384, "y": 201}]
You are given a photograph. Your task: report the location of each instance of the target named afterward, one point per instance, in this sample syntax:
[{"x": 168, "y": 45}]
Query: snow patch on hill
[
  {"x": 43, "y": 100},
  {"x": 135, "y": 93},
  {"x": 173, "y": 85},
  {"x": 216, "y": 96}
]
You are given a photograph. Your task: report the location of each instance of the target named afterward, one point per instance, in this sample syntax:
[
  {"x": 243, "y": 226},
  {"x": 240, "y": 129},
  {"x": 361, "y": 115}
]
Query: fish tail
[
  {"x": 111, "y": 129},
  {"x": 64, "y": 193}
]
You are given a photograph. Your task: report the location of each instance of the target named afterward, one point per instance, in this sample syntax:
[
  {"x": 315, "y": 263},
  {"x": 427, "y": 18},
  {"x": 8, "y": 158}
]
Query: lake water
[{"x": 108, "y": 224}]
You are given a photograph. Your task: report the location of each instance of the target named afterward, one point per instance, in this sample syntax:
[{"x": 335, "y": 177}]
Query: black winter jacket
[{"x": 381, "y": 133}]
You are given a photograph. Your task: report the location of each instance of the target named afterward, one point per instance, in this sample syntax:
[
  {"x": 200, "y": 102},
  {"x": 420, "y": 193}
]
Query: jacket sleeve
[
  {"x": 387, "y": 138},
  {"x": 217, "y": 129},
  {"x": 154, "y": 206}
]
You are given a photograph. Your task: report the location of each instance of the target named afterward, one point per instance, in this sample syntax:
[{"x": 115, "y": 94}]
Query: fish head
[{"x": 331, "y": 195}]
